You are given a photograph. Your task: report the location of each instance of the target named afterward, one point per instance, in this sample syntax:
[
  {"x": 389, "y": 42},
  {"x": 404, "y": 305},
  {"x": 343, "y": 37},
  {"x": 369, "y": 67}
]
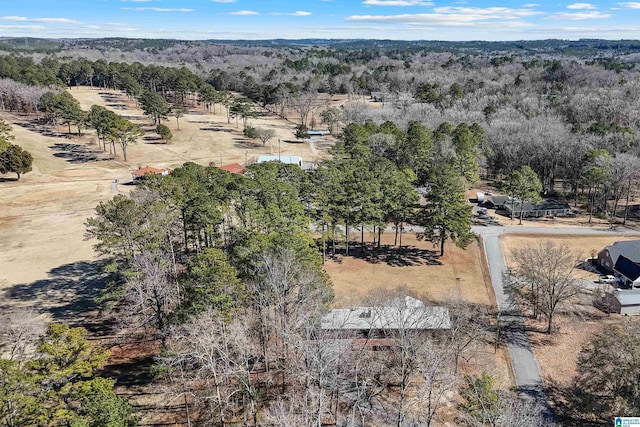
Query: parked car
[{"x": 607, "y": 279}]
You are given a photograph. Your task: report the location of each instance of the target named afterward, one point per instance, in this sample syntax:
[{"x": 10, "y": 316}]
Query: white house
[{"x": 289, "y": 160}]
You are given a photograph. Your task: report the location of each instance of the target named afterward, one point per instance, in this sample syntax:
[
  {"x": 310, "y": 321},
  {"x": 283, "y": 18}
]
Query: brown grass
[
  {"x": 557, "y": 353},
  {"x": 459, "y": 277},
  {"x": 41, "y": 226}
]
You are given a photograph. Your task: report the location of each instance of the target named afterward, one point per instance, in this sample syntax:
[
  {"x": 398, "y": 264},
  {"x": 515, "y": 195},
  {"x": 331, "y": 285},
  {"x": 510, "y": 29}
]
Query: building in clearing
[
  {"x": 377, "y": 96},
  {"x": 146, "y": 171},
  {"x": 608, "y": 257},
  {"x": 495, "y": 202},
  {"x": 547, "y": 208},
  {"x": 625, "y": 302},
  {"x": 234, "y": 168},
  {"x": 400, "y": 314},
  {"x": 288, "y": 160}
]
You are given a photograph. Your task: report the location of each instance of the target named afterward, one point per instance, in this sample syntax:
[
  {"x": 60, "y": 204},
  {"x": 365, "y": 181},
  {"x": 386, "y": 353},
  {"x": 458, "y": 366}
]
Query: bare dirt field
[
  {"x": 557, "y": 353},
  {"x": 45, "y": 258},
  {"x": 458, "y": 275}
]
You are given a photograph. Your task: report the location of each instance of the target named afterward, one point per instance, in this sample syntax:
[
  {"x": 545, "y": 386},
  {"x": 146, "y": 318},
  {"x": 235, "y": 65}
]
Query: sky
[{"x": 332, "y": 19}]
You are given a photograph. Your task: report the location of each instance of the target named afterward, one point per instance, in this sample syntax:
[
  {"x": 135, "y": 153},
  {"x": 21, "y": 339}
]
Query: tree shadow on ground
[
  {"x": 538, "y": 395},
  {"x": 76, "y": 153},
  {"x": 36, "y": 125},
  {"x": 135, "y": 372},
  {"x": 67, "y": 295},
  {"x": 243, "y": 143},
  {"x": 14, "y": 179},
  {"x": 131, "y": 363},
  {"x": 569, "y": 403},
  {"x": 404, "y": 256},
  {"x": 217, "y": 129},
  {"x": 514, "y": 332},
  {"x": 153, "y": 140}
]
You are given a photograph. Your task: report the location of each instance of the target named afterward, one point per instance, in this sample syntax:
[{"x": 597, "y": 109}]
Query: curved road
[{"x": 525, "y": 367}]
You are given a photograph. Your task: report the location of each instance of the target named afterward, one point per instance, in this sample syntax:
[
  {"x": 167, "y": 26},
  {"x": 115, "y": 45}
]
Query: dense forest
[{"x": 225, "y": 273}]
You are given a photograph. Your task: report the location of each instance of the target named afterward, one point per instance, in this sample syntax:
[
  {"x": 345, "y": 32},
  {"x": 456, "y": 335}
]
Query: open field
[
  {"x": 42, "y": 219},
  {"x": 557, "y": 353},
  {"x": 458, "y": 275}
]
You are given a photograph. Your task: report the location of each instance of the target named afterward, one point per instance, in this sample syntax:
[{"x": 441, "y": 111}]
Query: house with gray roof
[
  {"x": 627, "y": 270},
  {"x": 399, "y": 314},
  {"x": 549, "y": 207},
  {"x": 608, "y": 257},
  {"x": 496, "y": 202}
]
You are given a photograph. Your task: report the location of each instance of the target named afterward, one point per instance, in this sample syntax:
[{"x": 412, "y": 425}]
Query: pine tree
[{"x": 447, "y": 214}]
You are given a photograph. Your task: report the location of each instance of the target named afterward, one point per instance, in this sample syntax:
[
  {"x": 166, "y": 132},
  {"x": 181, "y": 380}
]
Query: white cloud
[
  {"x": 443, "y": 19},
  {"x": 296, "y": 13},
  {"x": 22, "y": 27},
  {"x": 487, "y": 12},
  {"x": 581, "y": 6},
  {"x": 400, "y": 3},
  {"x": 630, "y": 4},
  {"x": 45, "y": 20},
  {"x": 159, "y": 9},
  {"x": 529, "y": 5},
  {"x": 244, "y": 12},
  {"x": 224, "y": 1},
  {"x": 579, "y": 16}
]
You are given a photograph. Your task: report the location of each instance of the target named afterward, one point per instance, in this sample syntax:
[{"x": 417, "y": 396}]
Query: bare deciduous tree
[
  {"x": 265, "y": 135},
  {"x": 151, "y": 294},
  {"x": 544, "y": 278},
  {"x": 19, "y": 330}
]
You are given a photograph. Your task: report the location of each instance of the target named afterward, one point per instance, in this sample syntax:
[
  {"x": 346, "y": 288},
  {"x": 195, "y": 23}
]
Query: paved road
[{"x": 525, "y": 367}]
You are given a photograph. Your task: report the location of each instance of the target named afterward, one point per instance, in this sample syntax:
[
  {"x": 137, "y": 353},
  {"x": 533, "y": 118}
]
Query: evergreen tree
[
  {"x": 15, "y": 159},
  {"x": 155, "y": 106},
  {"x": 164, "y": 132},
  {"x": 525, "y": 186},
  {"x": 447, "y": 215}
]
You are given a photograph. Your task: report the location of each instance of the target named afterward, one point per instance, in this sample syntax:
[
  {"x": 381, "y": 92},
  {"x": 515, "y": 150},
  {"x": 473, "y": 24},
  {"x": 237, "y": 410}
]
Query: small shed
[
  {"x": 629, "y": 303},
  {"x": 625, "y": 302},
  {"x": 141, "y": 173}
]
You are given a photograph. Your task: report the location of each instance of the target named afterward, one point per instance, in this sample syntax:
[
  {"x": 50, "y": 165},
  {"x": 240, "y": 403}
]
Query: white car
[{"x": 607, "y": 279}]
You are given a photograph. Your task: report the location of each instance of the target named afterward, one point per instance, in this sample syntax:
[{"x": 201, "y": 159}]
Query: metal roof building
[
  {"x": 402, "y": 313},
  {"x": 289, "y": 160},
  {"x": 629, "y": 302}
]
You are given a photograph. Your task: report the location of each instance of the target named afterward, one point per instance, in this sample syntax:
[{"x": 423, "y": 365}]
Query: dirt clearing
[{"x": 456, "y": 276}]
